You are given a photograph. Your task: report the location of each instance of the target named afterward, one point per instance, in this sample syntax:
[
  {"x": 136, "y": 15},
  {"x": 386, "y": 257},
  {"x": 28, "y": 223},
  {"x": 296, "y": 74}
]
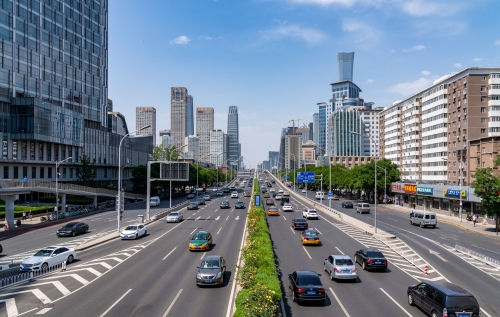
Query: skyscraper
[
  {"x": 204, "y": 126},
  {"x": 146, "y": 116},
  {"x": 189, "y": 116},
  {"x": 178, "y": 103},
  {"x": 217, "y": 146},
  {"x": 346, "y": 65},
  {"x": 233, "y": 134}
]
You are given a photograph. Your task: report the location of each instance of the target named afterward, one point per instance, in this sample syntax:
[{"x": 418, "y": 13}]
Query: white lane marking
[
  {"x": 207, "y": 218},
  {"x": 43, "y": 311},
  {"x": 407, "y": 313},
  {"x": 317, "y": 230},
  {"x": 292, "y": 230},
  {"x": 216, "y": 209},
  {"x": 75, "y": 276},
  {"x": 169, "y": 253},
  {"x": 227, "y": 218},
  {"x": 10, "y": 304},
  {"x": 197, "y": 218},
  {"x": 340, "y": 251},
  {"x": 194, "y": 230},
  {"x": 57, "y": 285},
  {"x": 114, "y": 304},
  {"x": 340, "y": 304},
  {"x": 307, "y": 252},
  {"x": 237, "y": 218},
  {"x": 219, "y": 230},
  {"x": 217, "y": 218},
  {"x": 203, "y": 255},
  {"x": 284, "y": 217},
  {"x": 172, "y": 303}
]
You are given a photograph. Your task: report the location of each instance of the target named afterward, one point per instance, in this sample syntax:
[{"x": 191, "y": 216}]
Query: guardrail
[
  {"x": 478, "y": 256},
  {"x": 32, "y": 275},
  {"x": 164, "y": 212}
]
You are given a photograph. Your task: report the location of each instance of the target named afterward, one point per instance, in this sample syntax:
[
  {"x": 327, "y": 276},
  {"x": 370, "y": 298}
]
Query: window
[
  {"x": 483, "y": 165},
  {"x": 42, "y": 172},
  {"x": 483, "y": 88},
  {"x": 64, "y": 172},
  {"x": 49, "y": 172},
  {"x": 484, "y": 149},
  {"x": 483, "y": 131},
  {"x": 16, "y": 172},
  {"x": 483, "y": 120},
  {"x": 33, "y": 172},
  {"x": 483, "y": 77},
  {"x": 483, "y": 98},
  {"x": 5, "y": 172},
  {"x": 454, "y": 174},
  {"x": 483, "y": 109},
  {"x": 71, "y": 172}
]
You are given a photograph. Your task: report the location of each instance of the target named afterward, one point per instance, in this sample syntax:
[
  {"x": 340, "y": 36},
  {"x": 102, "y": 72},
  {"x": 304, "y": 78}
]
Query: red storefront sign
[
  {"x": 398, "y": 187},
  {"x": 410, "y": 188}
]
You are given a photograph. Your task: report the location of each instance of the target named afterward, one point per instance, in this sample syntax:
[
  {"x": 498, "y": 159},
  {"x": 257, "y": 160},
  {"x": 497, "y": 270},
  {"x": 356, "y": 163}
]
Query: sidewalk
[{"x": 485, "y": 229}]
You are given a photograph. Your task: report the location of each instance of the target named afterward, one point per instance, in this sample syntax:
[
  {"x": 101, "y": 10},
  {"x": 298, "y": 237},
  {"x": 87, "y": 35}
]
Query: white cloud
[
  {"x": 363, "y": 33},
  {"x": 408, "y": 88},
  {"x": 393, "y": 51},
  {"x": 370, "y": 81},
  {"x": 477, "y": 59},
  {"x": 426, "y": 73},
  {"x": 347, "y": 3},
  {"x": 421, "y": 8},
  {"x": 415, "y": 48},
  {"x": 457, "y": 65},
  {"x": 296, "y": 32},
  {"x": 497, "y": 42},
  {"x": 276, "y": 21},
  {"x": 207, "y": 38},
  {"x": 181, "y": 40}
]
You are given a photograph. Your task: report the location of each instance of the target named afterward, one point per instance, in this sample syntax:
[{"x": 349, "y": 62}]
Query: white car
[
  {"x": 271, "y": 190},
  {"x": 234, "y": 194},
  {"x": 175, "y": 216},
  {"x": 280, "y": 190},
  {"x": 47, "y": 257},
  {"x": 310, "y": 213},
  {"x": 207, "y": 197},
  {"x": 278, "y": 197},
  {"x": 134, "y": 231},
  {"x": 340, "y": 267},
  {"x": 304, "y": 190},
  {"x": 287, "y": 207}
]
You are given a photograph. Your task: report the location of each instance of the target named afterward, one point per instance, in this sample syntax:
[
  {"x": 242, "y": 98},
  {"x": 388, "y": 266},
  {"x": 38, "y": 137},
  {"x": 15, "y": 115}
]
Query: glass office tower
[
  {"x": 346, "y": 65},
  {"x": 233, "y": 134}
]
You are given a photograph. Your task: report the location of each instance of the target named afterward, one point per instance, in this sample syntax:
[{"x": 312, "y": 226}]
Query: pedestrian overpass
[{"x": 11, "y": 189}]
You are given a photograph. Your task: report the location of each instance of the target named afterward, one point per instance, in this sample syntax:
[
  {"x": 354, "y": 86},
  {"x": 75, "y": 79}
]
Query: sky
[{"x": 276, "y": 59}]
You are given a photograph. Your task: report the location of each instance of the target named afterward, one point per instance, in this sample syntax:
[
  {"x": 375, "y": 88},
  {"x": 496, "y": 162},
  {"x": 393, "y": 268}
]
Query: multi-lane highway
[{"x": 152, "y": 276}]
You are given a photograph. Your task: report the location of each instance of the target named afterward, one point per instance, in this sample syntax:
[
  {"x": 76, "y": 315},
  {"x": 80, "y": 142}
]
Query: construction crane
[{"x": 293, "y": 123}]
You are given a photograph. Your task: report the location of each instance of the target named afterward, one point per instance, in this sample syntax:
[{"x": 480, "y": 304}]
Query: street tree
[
  {"x": 487, "y": 187},
  {"x": 85, "y": 172}
]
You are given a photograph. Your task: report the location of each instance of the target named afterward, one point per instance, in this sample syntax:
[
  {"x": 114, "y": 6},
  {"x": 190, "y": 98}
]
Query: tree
[
  {"x": 85, "y": 172},
  {"x": 487, "y": 187},
  {"x": 139, "y": 179}
]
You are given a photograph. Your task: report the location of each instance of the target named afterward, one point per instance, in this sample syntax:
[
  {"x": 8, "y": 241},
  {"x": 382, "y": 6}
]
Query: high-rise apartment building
[
  {"x": 204, "y": 126},
  {"x": 311, "y": 129},
  {"x": 191, "y": 150},
  {"x": 218, "y": 147},
  {"x": 167, "y": 141},
  {"x": 345, "y": 63},
  {"x": 293, "y": 150},
  {"x": 233, "y": 134},
  {"x": 274, "y": 159},
  {"x": 189, "y": 116},
  {"x": 146, "y": 116},
  {"x": 322, "y": 111},
  {"x": 315, "y": 129},
  {"x": 178, "y": 104}
]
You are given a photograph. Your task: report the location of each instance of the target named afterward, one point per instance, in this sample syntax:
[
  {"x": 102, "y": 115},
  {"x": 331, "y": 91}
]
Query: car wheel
[
  {"x": 145, "y": 233},
  {"x": 70, "y": 259},
  {"x": 411, "y": 222},
  {"x": 434, "y": 227},
  {"x": 410, "y": 300},
  {"x": 434, "y": 314},
  {"x": 331, "y": 275},
  {"x": 421, "y": 225},
  {"x": 136, "y": 236},
  {"x": 293, "y": 296},
  {"x": 86, "y": 230},
  {"x": 44, "y": 267},
  {"x": 73, "y": 234},
  {"x": 364, "y": 266}
]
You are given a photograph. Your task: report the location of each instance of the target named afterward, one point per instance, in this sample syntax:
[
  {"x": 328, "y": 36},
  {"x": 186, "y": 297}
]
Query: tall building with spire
[{"x": 233, "y": 135}]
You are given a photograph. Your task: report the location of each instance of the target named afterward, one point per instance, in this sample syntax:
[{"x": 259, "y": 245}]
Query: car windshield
[
  {"x": 200, "y": 236},
  {"x": 460, "y": 303},
  {"x": 70, "y": 225},
  {"x": 131, "y": 228},
  {"x": 174, "y": 214},
  {"x": 210, "y": 264},
  {"x": 300, "y": 220},
  {"x": 374, "y": 254},
  {"x": 43, "y": 253},
  {"x": 309, "y": 280},
  {"x": 343, "y": 262},
  {"x": 193, "y": 203},
  {"x": 310, "y": 233},
  {"x": 312, "y": 211}
]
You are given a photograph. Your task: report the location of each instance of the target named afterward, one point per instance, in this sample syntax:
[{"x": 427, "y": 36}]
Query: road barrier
[
  {"x": 31, "y": 275},
  {"x": 478, "y": 256}
]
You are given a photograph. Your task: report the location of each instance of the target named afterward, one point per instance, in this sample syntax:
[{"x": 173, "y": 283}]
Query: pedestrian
[
  {"x": 411, "y": 213},
  {"x": 31, "y": 215},
  {"x": 474, "y": 219},
  {"x": 24, "y": 215},
  {"x": 18, "y": 223}
]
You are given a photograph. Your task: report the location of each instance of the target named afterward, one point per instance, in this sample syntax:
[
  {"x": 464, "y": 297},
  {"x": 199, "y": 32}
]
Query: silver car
[
  {"x": 175, "y": 216},
  {"x": 207, "y": 197},
  {"x": 211, "y": 271},
  {"x": 340, "y": 267}
]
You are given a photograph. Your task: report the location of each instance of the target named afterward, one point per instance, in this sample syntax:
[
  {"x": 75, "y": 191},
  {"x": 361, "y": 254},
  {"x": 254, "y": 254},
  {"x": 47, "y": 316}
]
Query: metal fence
[
  {"x": 478, "y": 256},
  {"x": 32, "y": 275}
]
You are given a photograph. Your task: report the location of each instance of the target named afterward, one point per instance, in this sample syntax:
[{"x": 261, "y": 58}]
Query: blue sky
[{"x": 275, "y": 59}]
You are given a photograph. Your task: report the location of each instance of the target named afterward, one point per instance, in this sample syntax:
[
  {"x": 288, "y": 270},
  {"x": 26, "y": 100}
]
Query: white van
[
  {"x": 363, "y": 208},
  {"x": 423, "y": 219},
  {"x": 154, "y": 201},
  {"x": 320, "y": 195}
]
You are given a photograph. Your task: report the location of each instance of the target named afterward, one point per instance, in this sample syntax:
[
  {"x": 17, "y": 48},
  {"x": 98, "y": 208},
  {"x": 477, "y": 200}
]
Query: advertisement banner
[
  {"x": 425, "y": 190},
  {"x": 410, "y": 188}
]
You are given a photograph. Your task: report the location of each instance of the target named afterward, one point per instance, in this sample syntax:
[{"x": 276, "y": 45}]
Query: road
[
  {"x": 436, "y": 246},
  {"x": 151, "y": 276}
]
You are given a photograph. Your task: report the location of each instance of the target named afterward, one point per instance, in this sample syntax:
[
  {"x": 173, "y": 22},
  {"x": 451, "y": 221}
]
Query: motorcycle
[{"x": 469, "y": 218}]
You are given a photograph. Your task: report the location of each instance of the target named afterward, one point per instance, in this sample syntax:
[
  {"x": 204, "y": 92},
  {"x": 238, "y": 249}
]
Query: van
[
  {"x": 423, "y": 219},
  {"x": 284, "y": 199},
  {"x": 286, "y": 193},
  {"x": 154, "y": 201},
  {"x": 443, "y": 299},
  {"x": 363, "y": 208},
  {"x": 320, "y": 195}
]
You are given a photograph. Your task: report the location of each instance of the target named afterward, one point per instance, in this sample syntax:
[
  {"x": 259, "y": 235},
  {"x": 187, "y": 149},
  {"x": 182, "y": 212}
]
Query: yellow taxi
[
  {"x": 266, "y": 195},
  {"x": 273, "y": 211},
  {"x": 246, "y": 193},
  {"x": 310, "y": 236},
  {"x": 335, "y": 197}
]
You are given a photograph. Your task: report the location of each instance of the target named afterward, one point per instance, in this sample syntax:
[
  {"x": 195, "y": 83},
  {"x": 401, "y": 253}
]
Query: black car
[
  {"x": 269, "y": 201},
  {"x": 299, "y": 223},
  {"x": 347, "y": 204},
  {"x": 435, "y": 297},
  {"x": 224, "y": 204},
  {"x": 192, "y": 205},
  {"x": 371, "y": 259},
  {"x": 190, "y": 196},
  {"x": 200, "y": 201},
  {"x": 239, "y": 205},
  {"x": 306, "y": 287},
  {"x": 284, "y": 199},
  {"x": 272, "y": 181},
  {"x": 226, "y": 190},
  {"x": 233, "y": 188},
  {"x": 72, "y": 229}
]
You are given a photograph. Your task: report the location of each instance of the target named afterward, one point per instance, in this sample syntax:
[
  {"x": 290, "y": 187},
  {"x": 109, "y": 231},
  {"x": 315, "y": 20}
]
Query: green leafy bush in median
[{"x": 261, "y": 291}]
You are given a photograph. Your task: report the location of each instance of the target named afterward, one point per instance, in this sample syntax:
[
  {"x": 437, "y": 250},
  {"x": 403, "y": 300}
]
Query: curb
[{"x": 107, "y": 238}]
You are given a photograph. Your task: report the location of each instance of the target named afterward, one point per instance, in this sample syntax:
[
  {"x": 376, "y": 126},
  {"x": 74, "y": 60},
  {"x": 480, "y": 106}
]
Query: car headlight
[
  {"x": 218, "y": 275},
  {"x": 198, "y": 276},
  {"x": 204, "y": 244},
  {"x": 37, "y": 263}
]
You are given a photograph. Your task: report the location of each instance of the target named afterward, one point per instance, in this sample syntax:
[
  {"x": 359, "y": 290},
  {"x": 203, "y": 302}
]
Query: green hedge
[
  {"x": 73, "y": 200},
  {"x": 18, "y": 210},
  {"x": 261, "y": 291}
]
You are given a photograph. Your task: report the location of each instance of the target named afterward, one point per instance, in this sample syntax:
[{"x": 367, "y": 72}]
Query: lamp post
[
  {"x": 170, "y": 185},
  {"x": 385, "y": 182},
  {"x": 330, "y": 177},
  {"x": 197, "y": 166},
  {"x": 460, "y": 168},
  {"x": 375, "y": 191},
  {"x": 120, "y": 172},
  {"x": 57, "y": 188}
]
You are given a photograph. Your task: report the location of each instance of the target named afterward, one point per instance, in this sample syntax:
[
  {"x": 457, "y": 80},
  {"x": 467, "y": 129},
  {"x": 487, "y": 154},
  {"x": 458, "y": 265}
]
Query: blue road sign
[
  {"x": 287, "y": 177},
  {"x": 256, "y": 201},
  {"x": 305, "y": 177},
  {"x": 330, "y": 194}
]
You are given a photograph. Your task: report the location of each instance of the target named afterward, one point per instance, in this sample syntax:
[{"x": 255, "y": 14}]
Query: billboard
[{"x": 174, "y": 171}]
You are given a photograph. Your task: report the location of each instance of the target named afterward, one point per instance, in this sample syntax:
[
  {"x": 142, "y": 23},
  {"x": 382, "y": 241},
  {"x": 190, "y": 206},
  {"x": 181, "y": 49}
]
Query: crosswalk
[
  {"x": 488, "y": 269},
  {"x": 393, "y": 257},
  {"x": 41, "y": 294}
]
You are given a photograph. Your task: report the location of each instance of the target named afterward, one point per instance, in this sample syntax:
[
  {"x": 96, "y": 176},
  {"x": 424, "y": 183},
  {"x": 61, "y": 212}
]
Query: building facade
[
  {"x": 204, "y": 126},
  {"x": 233, "y": 134},
  {"x": 145, "y": 116},
  {"x": 167, "y": 141},
  {"x": 345, "y": 63},
  {"x": 189, "y": 116},
  {"x": 178, "y": 114},
  {"x": 218, "y": 147},
  {"x": 293, "y": 150},
  {"x": 274, "y": 159},
  {"x": 191, "y": 150}
]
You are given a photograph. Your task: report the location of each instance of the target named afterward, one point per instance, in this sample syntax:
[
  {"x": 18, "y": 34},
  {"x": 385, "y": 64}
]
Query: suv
[
  {"x": 310, "y": 213},
  {"x": 443, "y": 299},
  {"x": 363, "y": 207}
]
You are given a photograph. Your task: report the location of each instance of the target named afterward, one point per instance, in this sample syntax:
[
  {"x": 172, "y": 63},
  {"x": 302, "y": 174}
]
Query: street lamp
[
  {"x": 57, "y": 188},
  {"x": 460, "y": 169},
  {"x": 385, "y": 182},
  {"x": 197, "y": 166},
  {"x": 120, "y": 172},
  {"x": 330, "y": 178},
  {"x": 375, "y": 191},
  {"x": 170, "y": 186}
]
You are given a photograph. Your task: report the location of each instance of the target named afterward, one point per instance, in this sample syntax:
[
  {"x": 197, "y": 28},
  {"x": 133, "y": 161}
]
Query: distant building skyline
[
  {"x": 178, "y": 103},
  {"x": 233, "y": 135},
  {"x": 204, "y": 126},
  {"x": 146, "y": 116}
]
